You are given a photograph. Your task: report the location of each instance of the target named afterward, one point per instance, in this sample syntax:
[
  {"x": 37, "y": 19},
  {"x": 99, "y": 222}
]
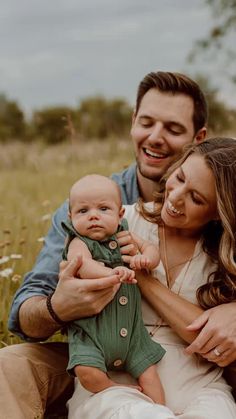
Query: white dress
[{"x": 194, "y": 388}]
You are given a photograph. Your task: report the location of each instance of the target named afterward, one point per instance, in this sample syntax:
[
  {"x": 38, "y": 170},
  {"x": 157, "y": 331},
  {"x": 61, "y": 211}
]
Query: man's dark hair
[{"x": 176, "y": 83}]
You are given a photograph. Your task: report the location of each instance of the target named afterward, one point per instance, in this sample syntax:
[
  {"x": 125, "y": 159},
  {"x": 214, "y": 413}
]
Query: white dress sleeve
[{"x": 137, "y": 224}]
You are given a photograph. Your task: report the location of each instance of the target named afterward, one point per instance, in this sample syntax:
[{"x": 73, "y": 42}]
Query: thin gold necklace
[
  {"x": 166, "y": 265},
  {"x": 168, "y": 280}
]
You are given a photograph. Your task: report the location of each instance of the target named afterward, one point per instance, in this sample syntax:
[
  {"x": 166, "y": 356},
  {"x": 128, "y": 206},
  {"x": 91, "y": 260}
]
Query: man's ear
[
  {"x": 121, "y": 212},
  {"x": 200, "y": 136},
  {"x": 133, "y": 117},
  {"x": 133, "y": 122}
]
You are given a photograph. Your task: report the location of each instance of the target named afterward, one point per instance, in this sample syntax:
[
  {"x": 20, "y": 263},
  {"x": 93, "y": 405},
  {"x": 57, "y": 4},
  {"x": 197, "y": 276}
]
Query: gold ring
[{"x": 216, "y": 352}]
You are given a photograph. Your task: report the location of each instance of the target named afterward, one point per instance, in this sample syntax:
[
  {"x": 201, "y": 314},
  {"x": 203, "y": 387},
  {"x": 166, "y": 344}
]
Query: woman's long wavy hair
[{"x": 218, "y": 236}]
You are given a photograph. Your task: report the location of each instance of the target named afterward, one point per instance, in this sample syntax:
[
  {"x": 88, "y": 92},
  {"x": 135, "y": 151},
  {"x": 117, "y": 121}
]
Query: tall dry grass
[{"x": 35, "y": 180}]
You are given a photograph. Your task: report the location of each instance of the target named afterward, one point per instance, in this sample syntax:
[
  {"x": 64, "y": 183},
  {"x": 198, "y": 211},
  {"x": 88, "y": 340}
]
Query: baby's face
[{"x": 95, "y": 212}]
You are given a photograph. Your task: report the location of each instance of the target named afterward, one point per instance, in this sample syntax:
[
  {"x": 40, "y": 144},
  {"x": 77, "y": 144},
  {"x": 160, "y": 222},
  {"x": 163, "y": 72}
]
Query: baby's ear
[
  {"x": 69, "y": 215},
  {"x": 121, "y": 213}
]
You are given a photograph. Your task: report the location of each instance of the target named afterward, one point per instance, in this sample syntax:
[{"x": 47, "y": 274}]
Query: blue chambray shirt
[{"x": 42, "y": 280}]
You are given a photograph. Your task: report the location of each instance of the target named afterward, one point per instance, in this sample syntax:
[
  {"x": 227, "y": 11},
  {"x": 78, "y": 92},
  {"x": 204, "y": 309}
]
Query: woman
[{"x": 194, "y": 222}]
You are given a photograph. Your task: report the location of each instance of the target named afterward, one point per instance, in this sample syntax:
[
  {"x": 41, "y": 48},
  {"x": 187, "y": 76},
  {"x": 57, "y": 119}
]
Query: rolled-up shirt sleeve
[{"x": 42, "y": 280}]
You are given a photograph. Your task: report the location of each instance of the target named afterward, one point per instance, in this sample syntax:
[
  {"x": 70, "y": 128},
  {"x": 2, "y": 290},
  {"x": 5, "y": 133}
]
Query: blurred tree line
[{"x": 96, "y": 117}]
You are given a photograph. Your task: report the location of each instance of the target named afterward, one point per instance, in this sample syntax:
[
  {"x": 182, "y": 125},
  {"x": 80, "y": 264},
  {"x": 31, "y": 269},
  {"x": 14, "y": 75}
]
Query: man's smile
[{"x": 154, "y": 154}]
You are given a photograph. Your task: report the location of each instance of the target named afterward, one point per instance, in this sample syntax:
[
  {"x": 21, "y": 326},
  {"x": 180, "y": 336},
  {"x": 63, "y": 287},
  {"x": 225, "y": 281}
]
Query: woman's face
[{"x": 190, "y": 197}]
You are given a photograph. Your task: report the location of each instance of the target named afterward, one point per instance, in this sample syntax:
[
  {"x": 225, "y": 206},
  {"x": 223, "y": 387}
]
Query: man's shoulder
[
  {"x": 127, "y": 181},
  {"x": 125, "y": 175}
]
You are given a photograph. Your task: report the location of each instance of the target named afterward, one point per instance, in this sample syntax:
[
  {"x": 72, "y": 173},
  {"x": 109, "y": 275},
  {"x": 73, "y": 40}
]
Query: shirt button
[
  {"x": 117, "y": 363},
  {"x": 123, "y": 332},
  {"x": 112, "y": 244},
  {"x": 123, "y": 300}
]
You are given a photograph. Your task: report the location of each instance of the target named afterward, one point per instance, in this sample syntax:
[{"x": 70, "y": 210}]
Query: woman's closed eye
[
  {"x": 180, "y": 178},
  {"x": 196, "y": 199}
]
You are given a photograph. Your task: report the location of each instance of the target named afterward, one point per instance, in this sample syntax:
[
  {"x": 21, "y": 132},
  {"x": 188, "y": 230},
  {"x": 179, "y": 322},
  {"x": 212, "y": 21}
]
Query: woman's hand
[
  {"x": 217, "y": 338},
  {"x": 128, "y": 246}
]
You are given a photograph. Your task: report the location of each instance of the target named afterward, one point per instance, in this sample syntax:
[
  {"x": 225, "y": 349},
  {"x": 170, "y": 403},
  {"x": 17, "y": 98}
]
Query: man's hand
[
  {"x": 75, "y": 298},
  {"x": 217, "y": 338}
]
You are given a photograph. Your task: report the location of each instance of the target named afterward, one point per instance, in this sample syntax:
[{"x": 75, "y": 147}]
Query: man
[{"x": 170, "y": 112}]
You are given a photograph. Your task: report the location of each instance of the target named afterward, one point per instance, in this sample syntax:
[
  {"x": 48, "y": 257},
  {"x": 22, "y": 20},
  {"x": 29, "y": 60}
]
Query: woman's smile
[{"x": 171, "y": 209}]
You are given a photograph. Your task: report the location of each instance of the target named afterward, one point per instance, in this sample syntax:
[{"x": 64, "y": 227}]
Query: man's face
[{"x": 161, "y": 128}]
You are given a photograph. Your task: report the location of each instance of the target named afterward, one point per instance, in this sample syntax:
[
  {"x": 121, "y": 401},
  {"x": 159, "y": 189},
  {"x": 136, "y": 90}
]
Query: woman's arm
[
  {"x": 214, "y": 328},
  {"x": 175, "y": 310}
]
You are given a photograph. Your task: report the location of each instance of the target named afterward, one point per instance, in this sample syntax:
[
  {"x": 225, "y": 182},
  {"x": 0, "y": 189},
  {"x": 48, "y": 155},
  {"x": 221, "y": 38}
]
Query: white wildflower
[
  {"x": 5, "y": 273},
  {"x": 16, "y": 256},
  {"x": 40, "y": 240},
  {"x": 4, "y": 259},
  {"x": 46, "y": 217}
]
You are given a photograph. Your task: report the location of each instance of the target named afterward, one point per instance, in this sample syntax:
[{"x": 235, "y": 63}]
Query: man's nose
[{"x": 156, "y": 133}]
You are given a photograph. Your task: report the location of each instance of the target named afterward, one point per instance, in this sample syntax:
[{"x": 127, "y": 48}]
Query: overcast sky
[{"x": 56, "y": 52}]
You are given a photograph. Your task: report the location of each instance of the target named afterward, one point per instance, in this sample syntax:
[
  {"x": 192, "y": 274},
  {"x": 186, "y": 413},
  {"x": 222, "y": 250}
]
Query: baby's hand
[
  {"x": 125, "y": 274},
  {"x": 139, "y": 262}
]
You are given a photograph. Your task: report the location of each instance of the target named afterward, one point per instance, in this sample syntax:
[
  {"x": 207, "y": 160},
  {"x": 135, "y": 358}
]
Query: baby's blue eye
[
  {"x": 82, "y": 211},
  {"x": 104, "y": 208}
]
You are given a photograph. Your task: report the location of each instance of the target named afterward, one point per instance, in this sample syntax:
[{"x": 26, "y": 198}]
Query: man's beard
[{"x": 147, "y": 175}]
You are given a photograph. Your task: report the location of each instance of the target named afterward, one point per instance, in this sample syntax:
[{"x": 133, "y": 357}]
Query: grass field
[{"x": 35, "y": 180}]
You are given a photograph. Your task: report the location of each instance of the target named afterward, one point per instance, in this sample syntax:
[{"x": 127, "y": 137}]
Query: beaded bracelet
[{"x": 52, "y": 312}]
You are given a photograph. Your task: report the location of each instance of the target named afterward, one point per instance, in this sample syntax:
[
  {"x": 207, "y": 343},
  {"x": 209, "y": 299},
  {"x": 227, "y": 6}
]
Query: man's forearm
[{"x": 35, "y": 320}]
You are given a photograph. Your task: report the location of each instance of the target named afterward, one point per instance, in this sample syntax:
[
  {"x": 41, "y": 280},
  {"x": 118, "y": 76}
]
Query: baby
[{"x": 116, "y": 338}]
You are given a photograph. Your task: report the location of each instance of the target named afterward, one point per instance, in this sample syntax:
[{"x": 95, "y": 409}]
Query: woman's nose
[{"x": 176, "y": 196}]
